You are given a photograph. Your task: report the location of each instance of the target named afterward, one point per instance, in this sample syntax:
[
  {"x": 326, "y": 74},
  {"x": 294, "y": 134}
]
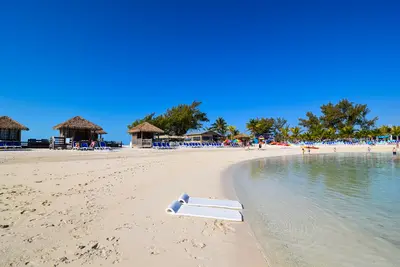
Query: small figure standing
[
  {"x": 303, "y": 150},
  {"x": 394, "y": 151},
  {"x": 369, "y": 149},
  {"x": 309, "y": 151},
  {"x": 334, "y": 149},
  {"x": 259, "y": 145}
]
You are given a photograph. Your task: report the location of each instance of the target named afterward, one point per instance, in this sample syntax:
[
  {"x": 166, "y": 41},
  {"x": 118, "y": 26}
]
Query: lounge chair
[
  {"x": 103, "y": 146},
  {"x": 84, "y": 146},
  {"x": 17, "y": 144},
  {"x": 75, "y": 146},
  {"x": 10, "y": 145}
]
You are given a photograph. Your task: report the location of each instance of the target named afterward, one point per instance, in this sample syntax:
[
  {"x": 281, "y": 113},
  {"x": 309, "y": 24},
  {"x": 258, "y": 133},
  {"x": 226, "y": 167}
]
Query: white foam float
[
  {"x": 208, "y": 202},
  {"x": 179, "y": 209}
]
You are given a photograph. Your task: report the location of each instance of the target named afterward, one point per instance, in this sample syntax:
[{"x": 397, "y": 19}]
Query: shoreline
[{"x": 108, "y": 208}]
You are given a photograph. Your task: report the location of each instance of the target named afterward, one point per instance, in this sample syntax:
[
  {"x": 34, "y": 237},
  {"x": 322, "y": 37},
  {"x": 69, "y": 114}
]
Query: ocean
[{"x": 324, "y": 210}]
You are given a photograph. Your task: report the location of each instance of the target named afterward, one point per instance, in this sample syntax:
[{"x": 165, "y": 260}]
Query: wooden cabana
[
  {"x": 242, "y": 137},
  {"x": 78, "y": 128},
  {"x": 143, "y": 135},
  {"x": 101, "y": 132},
  {"x": 10, "y": 130}
]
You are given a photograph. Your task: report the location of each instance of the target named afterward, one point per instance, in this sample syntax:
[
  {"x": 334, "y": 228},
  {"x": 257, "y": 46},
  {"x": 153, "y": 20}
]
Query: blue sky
[{"x": 114, "y": 61}]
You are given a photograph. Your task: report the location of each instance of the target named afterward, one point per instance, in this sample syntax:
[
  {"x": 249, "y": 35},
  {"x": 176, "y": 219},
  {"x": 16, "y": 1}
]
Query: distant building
[
  {"x": 143, "y": 135},
  {"x": 203, "y": 137},
  {"x": 10, "y": 130}
]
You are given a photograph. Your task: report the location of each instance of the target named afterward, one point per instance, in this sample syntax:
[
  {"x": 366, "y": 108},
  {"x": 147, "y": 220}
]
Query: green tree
[
  {"x": 347, "y": 132},
  {"x": 279, "y": 124},
  {"x": 220, "y": 126},
  {"x": 396, "y": 132},
  {"x": 252, "y": 125},
  {"x": 232, "y": 131},
  {"x": 177, "y": 120},
  {"x": 311, "y": 122},
  {"x": 285, "y": 133},
  {"x": 260, "y": 126},
  {"x": 384, "y": 130},
  {"x": 296, "y": 131}
]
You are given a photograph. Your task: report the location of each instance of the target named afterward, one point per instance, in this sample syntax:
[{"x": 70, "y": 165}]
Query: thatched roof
[
  {"x": 241, "y": 136},
  {"x": 78, "y": 123},
  {"x": 145, "y": 127},
  {"x": 101, "y": 132},
  {"x": 8, "y": 123}
]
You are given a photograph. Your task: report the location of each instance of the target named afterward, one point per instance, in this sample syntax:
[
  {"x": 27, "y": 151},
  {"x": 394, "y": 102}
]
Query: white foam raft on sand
[
  {"x": 208, "y": 202},
  {"x": 206, "y": 208}
]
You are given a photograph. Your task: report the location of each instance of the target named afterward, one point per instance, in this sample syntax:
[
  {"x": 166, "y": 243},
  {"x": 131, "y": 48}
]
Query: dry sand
[{"x": 107, "y": 208}]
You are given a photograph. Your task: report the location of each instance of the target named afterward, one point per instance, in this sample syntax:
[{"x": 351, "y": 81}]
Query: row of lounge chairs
[
  {"x": 172, "y": 145},
  {"x": 93, "y": 146},
  {"x": 200, "y": 145},
  {"x": 10, "y": 145}
]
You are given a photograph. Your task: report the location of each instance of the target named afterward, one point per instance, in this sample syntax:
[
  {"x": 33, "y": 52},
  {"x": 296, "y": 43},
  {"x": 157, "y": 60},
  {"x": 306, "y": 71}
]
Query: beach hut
[
  {"x": 78, "y": 128},
  {"x": 244, "y": 138},
  {"x": 143, "y": 135},
  {"x": 10, "y": 130},
  {"x": 203, "y": 137},
  {"x": 100, "y": 133}
]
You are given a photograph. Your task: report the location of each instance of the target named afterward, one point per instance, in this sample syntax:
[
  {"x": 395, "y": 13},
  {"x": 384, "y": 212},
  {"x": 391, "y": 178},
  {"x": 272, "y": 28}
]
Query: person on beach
[
  {"x": 369, "y": 149},
  {"x": 394, "y": 151},
  {"x": 309, "y": 151},
  {"x": 334, "y": 149},
  {"x": 303, "y": 150},
  {"x": 259, "y": 145}
]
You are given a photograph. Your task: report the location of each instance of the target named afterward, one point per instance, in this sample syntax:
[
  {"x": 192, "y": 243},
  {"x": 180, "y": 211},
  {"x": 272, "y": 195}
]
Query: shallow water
[{"x": 324, "y": 210}]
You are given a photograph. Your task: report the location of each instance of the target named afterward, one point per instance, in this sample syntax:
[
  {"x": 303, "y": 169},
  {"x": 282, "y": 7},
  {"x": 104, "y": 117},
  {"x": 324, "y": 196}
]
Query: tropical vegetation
[{"x": 344, "y": 120}]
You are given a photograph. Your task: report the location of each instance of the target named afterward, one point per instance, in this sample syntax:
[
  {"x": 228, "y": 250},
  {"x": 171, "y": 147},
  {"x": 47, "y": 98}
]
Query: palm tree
[
  {"x": 296, "y": 131},
  {"x": 220, "y": 126},
  {"x": 232, "y": 131},
  {"x": 252, "y": 126},
  {"x": 330, "y": 133},
  {"x": 347, "y": 132},
  {"x": 396, "y": 132},
  {"x": 285, "y": 133},
  {"x": 384, "y": 130}
]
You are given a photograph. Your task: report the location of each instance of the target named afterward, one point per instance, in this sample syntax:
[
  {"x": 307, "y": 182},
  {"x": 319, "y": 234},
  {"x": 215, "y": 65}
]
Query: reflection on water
[{"x": 324, "y": 210}]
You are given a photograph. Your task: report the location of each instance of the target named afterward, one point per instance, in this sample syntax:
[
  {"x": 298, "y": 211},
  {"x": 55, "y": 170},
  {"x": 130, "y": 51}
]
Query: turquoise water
[{"x": 324, "y": 210}]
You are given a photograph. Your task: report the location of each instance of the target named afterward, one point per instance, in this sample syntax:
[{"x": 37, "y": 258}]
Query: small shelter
[
  {"x": 10, "y": 130},
  {"x": 242, "y": 137},
  {"x": 78, "y": 128},
  {"x": 143, "y": 135},
  {"x": 203, "y": 137},
  {"x": 100, "y": 133}
]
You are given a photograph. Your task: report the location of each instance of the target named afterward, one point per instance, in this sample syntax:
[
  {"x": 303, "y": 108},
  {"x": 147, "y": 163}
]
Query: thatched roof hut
[
  {"x": 11, "y": 129},
  {"x": 78, "y": 129},
  {"x": 145, "y": 127},
  {"x": 101, "y": 132},
  {"x": 241, "y": 136},
  {"x": 78, "y": 123},
  {"x": 10, "y": 124},
  {"x": 143, "y": 134}
]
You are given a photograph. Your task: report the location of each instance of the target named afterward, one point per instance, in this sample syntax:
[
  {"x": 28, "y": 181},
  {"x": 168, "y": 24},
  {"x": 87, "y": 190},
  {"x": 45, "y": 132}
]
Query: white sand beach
[{"x": 108, "y": 208}]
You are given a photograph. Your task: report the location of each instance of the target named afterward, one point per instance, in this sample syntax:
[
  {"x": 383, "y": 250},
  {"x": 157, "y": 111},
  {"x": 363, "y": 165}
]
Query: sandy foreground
[{"x": 108, "y": 208}]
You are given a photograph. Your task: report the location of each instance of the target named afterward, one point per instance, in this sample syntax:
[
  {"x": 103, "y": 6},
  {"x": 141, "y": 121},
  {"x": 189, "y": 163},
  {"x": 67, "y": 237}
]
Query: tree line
[{"x": 343, "y": 120}]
